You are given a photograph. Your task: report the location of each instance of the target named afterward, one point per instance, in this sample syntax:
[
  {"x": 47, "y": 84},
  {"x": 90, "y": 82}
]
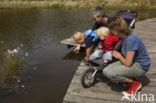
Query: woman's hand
[
  {"x": 126, "y": 61},
  {"x": 77, "y": 49},
  {"x": 117, "y": 55}
]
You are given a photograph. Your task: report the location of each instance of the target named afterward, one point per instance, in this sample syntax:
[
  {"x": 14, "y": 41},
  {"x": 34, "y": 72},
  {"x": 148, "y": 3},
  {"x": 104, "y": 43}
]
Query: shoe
[
  {"x": 102, "y": 66},
  {"x": 134, "y": 87},
  {"x": 86, "y": 62},
  {"x": 105, "y": 64}
]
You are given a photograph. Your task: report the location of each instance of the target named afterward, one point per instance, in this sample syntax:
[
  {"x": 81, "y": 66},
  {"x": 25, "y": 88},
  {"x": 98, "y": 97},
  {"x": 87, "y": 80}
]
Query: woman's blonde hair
[
  {"x": 119, "y": 24},
  {"x": 102, "y": 31},
  {"x": 77, "y": 36}
]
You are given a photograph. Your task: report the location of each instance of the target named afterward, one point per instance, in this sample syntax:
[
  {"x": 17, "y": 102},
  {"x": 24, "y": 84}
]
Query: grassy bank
[{"x": 119, "y": 4}]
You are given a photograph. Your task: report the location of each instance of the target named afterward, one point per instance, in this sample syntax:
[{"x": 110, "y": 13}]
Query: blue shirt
[
  {"x": 91, "y": 38},
  {"x": 89, "y": 41},
  {"x": 134, "y": 43}
]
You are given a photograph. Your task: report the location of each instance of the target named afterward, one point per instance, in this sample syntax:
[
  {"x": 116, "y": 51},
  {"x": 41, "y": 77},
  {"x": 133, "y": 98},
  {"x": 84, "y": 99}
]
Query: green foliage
[
  {"x": 10, "y": 65},
  {"x": 116, "y": 4}
]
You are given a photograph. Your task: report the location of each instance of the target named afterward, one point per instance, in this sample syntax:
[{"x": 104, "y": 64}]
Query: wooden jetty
[{"x": 105, "y": 91}]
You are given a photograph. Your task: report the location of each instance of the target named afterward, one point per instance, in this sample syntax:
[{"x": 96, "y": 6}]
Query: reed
[
  {"x": 119, "y": 4},
  {"x": 10, "y": 65}
]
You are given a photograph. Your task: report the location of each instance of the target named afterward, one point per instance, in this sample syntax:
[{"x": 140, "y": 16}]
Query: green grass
[
  {"x": 115, "y": 4},
  {"x": 10, "y": 65}
]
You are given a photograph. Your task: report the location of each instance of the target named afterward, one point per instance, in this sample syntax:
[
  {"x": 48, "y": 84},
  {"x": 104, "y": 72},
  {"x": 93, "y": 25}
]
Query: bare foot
[{"x": 106, "y": 61}]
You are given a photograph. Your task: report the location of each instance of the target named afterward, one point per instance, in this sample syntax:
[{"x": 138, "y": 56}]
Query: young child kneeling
[
  {"x": 106, "y": 46},
  {"x": 90, "y": 39}
]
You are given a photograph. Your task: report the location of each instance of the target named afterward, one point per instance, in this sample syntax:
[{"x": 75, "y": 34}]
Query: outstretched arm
[{"x": 77, "y": 49}]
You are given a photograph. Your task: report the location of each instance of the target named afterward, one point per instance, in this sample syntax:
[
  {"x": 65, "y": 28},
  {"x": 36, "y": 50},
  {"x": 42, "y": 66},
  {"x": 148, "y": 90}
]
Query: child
[
  {"x": 90, "y": 39},
  {"x": 106, "y": 45}
]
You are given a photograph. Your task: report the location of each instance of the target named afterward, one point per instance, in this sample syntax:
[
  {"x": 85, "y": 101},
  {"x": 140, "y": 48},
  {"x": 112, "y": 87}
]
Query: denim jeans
[{"x": 98, "y": 53}]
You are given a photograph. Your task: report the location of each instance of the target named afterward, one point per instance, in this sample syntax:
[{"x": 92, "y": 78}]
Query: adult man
[{"x": 101, "y": 19}]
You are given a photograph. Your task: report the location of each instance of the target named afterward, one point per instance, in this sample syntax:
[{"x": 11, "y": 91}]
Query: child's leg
[
  {"x": 89, "y": 51},
  {"x": 107, "y": 57},
  {"x": 97, "y": 54},
  {"x": 106, "y": 61}
]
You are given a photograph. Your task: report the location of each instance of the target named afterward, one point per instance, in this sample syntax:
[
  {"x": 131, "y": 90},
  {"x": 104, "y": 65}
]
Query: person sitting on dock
[
  {"x": 90, "y": 39},
  {"x": 134, "y": 60},
  {"x": 106, "y": 46}
]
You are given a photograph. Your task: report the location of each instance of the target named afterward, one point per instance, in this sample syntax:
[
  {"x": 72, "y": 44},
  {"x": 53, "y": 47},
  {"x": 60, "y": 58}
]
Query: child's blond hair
[
  {"x": 77, "y": 36},
  {"x": 102, "y": 31}
]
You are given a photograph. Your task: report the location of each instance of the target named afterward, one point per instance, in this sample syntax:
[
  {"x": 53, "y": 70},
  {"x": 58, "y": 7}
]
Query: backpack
[{"x": 129, "y": 17}]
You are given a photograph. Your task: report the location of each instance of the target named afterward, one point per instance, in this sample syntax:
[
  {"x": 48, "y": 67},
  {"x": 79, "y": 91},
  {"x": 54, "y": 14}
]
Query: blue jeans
[{"x": 98, "y": 53}]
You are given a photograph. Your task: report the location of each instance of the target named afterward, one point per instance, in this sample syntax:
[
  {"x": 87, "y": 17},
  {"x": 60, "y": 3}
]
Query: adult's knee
[
  {"x": 110, "y": 74},
  {"x": 106, "y": 71}
]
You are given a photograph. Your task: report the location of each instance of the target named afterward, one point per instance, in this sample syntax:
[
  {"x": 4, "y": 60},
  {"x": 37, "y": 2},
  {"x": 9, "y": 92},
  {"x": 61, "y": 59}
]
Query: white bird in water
[{"x": 26, "y": 54}]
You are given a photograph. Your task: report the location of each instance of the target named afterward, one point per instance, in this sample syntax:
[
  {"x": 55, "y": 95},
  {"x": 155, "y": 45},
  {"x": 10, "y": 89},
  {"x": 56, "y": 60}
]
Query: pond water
[{"x": 40, "y": 31}]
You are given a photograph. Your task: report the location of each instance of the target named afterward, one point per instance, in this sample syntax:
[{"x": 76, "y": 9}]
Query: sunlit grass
[{"x": 124, "y": 4}]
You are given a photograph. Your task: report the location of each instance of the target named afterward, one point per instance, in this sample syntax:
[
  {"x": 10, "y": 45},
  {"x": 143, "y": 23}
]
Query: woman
[{"x": 133, "y": 59}]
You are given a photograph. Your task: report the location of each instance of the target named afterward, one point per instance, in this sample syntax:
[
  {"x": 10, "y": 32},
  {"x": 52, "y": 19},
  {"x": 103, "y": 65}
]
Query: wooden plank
[
  {"x": 105, "y": 91},
  {"x": 72, "y": 98}
]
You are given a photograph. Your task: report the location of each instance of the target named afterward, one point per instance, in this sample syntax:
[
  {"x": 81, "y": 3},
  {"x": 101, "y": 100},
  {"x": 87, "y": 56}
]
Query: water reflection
[{"x": 73, "y": 56}]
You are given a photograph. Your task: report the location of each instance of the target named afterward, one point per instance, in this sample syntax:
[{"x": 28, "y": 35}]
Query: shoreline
[{"x": 78, "y": 4}]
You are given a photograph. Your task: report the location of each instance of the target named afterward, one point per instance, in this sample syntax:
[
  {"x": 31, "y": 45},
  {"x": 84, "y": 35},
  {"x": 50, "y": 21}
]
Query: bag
[{"x": 129, "y": 17}]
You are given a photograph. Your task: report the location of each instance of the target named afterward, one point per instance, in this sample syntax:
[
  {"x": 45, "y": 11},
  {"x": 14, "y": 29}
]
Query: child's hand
[
  {"x": 100, "y": 47},
  {"x": 77, "y": 49}
]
